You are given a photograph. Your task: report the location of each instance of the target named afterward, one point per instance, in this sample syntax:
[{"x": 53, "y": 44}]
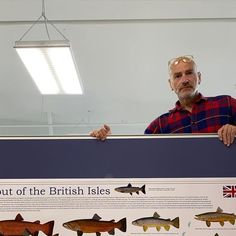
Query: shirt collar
[{"x": 178, "y": 105}]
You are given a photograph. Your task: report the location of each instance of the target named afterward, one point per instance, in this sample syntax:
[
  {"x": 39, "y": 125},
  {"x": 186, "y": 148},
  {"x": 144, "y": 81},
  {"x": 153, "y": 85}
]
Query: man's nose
[{"x": 184, "y": 79}]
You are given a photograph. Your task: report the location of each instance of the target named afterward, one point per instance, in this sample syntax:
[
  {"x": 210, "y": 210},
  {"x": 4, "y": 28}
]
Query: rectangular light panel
[{"x": 51, "y": 65}]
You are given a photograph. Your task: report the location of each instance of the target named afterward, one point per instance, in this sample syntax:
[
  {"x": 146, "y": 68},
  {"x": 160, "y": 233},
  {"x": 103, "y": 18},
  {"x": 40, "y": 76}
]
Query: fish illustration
[
  {"x": 130, "y": 189},
  {"x": 217, "y": 216},
  {"x": 19, "y": 227},
  {"x": 95, "y": 225},
  {"x": 156, "y": 222}
]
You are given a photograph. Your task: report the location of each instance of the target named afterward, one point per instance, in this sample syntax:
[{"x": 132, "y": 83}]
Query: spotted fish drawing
[
  {"x": 19, "y": 227},
  {"x": 157, "y": 222},
  {"x": 95, "y": 225},
  {"x": 217, "y": 216}
]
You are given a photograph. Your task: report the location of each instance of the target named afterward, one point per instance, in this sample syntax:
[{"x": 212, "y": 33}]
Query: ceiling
[{"x": 121, "y": 48}]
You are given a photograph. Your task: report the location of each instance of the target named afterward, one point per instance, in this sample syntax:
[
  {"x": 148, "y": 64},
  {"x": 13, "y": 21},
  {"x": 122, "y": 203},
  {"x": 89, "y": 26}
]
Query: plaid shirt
[{"x": 207, "y": 116}]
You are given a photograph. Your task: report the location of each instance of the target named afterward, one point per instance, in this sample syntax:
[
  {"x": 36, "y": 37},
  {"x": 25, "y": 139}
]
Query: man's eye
[
  {"x": 177, "y": 76},
  {"x": 189, "y": 72}
]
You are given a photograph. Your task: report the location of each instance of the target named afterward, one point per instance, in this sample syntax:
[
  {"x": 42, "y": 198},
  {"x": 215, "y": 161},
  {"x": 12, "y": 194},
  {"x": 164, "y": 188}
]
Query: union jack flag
[{"x": 229, "y": 191}]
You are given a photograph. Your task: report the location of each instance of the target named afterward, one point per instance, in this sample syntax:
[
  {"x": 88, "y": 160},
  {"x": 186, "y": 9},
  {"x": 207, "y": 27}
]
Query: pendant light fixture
[{"x": 50, "y": 62}]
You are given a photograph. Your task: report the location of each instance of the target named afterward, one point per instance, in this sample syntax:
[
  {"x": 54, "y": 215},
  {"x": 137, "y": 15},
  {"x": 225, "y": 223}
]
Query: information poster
[{"x": 119, "y": 206}]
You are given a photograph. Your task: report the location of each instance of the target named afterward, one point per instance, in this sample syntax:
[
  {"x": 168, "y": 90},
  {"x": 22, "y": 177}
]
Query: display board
[
  {"x": 129, "y": 185},
  {"x": 118, "y": 157}
]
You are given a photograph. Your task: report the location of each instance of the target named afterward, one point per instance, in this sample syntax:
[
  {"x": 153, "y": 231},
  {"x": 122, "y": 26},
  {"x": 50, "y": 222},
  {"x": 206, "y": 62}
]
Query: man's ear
[
  {"x": 199, "y": 77},
  {"x": 169, "y": 80}
]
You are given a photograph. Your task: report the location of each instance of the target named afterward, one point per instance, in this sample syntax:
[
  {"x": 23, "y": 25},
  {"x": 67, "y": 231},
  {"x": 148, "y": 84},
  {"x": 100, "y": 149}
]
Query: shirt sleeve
[
  {"x": 233, "y": 109},
  {"x": 153, "y": 127}
]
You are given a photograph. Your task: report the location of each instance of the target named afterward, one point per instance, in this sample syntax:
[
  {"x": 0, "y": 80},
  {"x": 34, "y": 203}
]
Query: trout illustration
[
  {"x": 156, "y": 222},
  {"x": 19, "y": 227},
  {"x": 217, "y": 216},
  {"x": 95, "y": 225},
  {"x": 130, "y": 189}
]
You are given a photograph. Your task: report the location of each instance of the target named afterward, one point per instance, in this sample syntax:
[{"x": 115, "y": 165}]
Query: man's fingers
[
  {"x": 220, "y": 133},
  {"x": 107, "y": 128},
  {"x": 227, "y": 134},
  {"x": 93, "y": 133},
  {"x": 102, "y": 133}
]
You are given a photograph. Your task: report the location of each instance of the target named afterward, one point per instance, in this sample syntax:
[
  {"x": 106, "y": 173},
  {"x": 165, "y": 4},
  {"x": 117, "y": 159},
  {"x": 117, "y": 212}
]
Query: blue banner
[{"x": 163, "y": 156}]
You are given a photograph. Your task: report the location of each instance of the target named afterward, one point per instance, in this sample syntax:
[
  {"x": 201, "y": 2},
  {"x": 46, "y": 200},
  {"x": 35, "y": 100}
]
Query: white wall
[{"x": 121, "y": 48}]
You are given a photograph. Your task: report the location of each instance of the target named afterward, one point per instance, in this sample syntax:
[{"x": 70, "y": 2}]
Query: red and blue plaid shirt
[{"x": 207, "y": 116}]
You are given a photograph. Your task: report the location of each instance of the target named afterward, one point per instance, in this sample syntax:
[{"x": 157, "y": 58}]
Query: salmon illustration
[
  {"x": 95, "y": 225},
  {"x": 217, "y": 216},
  {"x": 156, "y": 222},
  {"x": 130, "y": 189},
  {"x": 19, "y": 227}
]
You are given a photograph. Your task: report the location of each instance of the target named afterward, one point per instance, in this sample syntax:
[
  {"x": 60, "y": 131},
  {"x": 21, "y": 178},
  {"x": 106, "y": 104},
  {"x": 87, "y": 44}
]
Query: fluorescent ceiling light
[{"x": 51, "y": 65}]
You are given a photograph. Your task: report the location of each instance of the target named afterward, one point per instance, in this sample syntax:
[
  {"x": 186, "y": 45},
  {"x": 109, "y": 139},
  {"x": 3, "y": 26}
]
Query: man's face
[{"x": 184, "y": 79}]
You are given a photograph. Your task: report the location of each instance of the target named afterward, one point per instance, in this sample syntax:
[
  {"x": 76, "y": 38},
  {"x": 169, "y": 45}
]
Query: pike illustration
[
  {"x": 19, "y": 227},
  {"x": 156, "y": 222},
  {"x": 95, "y": 225},
  {"x": 217, "y": 216},
  {"x": 130, "y": 189}
]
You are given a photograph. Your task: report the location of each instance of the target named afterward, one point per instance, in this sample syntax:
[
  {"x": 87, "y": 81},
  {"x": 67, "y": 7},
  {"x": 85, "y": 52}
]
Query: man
[{"x": 193, "y": 113}]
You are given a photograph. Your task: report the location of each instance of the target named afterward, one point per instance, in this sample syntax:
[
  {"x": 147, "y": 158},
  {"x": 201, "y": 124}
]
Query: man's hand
[
  {"x": 101, "y": 133},
  {"x": 227, "y": 134}
]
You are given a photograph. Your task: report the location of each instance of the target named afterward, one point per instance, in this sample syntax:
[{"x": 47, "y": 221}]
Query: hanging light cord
[
  {"x": 45, "y": 18},
  {"x": 45, "y": 21}
]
